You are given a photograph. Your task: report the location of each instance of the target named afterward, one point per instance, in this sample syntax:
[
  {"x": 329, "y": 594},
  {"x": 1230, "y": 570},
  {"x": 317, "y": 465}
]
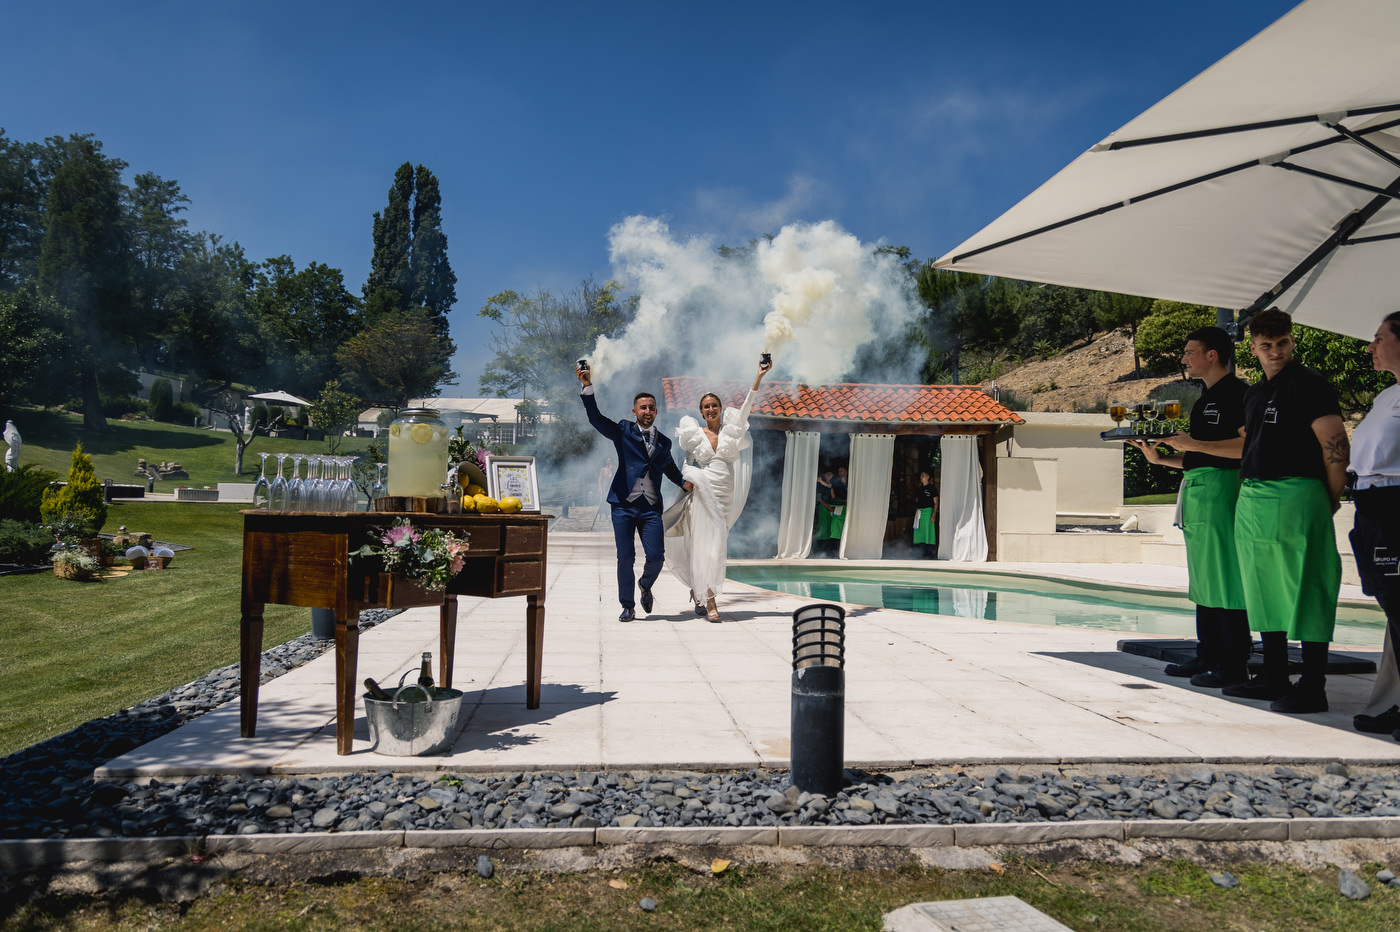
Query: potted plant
[
  {"x": 74, "y": 563},
  {"x": 427, "y": 559},
  {"x": 75, "y": 529},
  {"x": 110, "y": 551}
]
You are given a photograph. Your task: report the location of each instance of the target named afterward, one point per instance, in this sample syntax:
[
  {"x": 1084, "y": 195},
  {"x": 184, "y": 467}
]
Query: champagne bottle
[
  {"x": 375, "y": 691},
  {"x": 425, "y": 675}
]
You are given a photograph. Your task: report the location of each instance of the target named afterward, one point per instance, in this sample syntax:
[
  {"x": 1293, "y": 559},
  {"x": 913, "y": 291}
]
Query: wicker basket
[{"x": 70, "y": 571}]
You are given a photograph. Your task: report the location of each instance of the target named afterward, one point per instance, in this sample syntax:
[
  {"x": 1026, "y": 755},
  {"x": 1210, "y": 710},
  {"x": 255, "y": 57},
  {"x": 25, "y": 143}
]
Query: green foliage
[
  {"x": 122, "y": 405},
  {"x": 409, "y": 270},
  {"x": 32, "y": 345},
  {"x": 162, "y": 401},
  {"x": 81, "y": 497},
  {"x": 1043, "y": 387},
  {"x": 1143, "y": 478},
  {"x": 335, "y": 411},
  {"x": 304, "y": 317},
  {"x": 260, "y": 417},
  {"x": 1012, "y": 401},
  {"x": 71, "y": 528},
  {"x": 23, "y": 542},
  {"x": 1342, "y": 360},
  {"x": 1161, "y": 336},
  {"x": 184, "y": 412},
  {"x": 400, "y": 358},
  {"x": 22, "y": 491}
]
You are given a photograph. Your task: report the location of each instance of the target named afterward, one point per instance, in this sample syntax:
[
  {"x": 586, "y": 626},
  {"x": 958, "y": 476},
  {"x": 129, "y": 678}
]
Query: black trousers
[
  {"x": 1375, "y": 541},
  {"x": 1223, "y": 639}
]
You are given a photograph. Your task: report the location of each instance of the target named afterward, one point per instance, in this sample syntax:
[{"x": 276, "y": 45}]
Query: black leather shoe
[
  {"x": 627, "y": 614},
  {"x": 1189, "y": 668},
  {"x": 1258, "y": 688},
  {"x": 1219, "y": 679},
  {"x": 646, "y": 601},
  {"x": 1301, "y": 700},
  {"x": 1388, "y": 722}
]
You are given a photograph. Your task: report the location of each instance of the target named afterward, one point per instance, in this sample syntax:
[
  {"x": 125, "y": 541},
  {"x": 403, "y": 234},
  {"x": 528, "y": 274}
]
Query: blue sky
[{"x": 547, "y": 123}]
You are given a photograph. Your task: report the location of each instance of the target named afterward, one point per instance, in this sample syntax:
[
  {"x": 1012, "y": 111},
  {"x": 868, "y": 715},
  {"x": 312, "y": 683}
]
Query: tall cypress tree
[
  {"x": 387, "y": 290},
  {"x": 85, "y": 264},
  {"x": 409, "y": 270},
  {"x": 434, "y": 284}
]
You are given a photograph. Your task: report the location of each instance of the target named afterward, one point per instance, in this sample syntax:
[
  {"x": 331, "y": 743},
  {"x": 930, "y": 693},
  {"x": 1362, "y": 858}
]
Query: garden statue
[{"x": 14, "y": 442}]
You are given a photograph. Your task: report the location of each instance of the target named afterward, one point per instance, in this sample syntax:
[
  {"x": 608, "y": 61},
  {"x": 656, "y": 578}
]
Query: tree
[
  {"x": 84, "y": 264},
  {"x": 304, "y": 317},
  {"x": 961, "y": 316},
  {"x": 245, "y": 428},
  {"x": 541, "y": 336},
  {"x": 158, "y": 240},
  {"x": 409, "y": 269},
  {"x": 400, "y": 358},
  {"x": 1162, "y": 334},
  {"x": 161, "y": 404},
  {"x": 32, "y": 346},
  {"x": 81, "y": 497},
  {"x": 26, "y": 172},
  {"x": 1114, "y": 311},
  {"x": 209, "y": 331},
  {"x": 335, "y": 411}
]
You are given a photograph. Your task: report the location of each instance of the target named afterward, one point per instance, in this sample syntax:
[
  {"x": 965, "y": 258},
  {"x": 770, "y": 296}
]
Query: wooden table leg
[
  {"x": 447, "y": 640},
  {"x": 250, "y": 639},
  {"x": 534, "y": 648},
  {"x": 347, "y": 656}
]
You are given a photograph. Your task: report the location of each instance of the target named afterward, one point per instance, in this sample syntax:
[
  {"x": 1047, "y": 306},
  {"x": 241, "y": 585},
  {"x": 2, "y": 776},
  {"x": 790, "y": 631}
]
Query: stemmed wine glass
[
  {"x": 1171, "y": 409},
  {"x": 379, "y": 489},
  {"x": 352, "y": 493},
  {"x": 1118, "y": 410},
  {"x": 1151, "y": 410},
  {"x": 296, "y": 488},
  {"x": 277, "y": 490},
  {"x": 262, "y": 489}
]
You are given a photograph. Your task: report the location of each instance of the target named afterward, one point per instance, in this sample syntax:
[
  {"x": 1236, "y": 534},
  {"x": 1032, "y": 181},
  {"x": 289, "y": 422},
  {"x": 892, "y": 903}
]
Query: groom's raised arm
[{"x": 602, "y": 425}]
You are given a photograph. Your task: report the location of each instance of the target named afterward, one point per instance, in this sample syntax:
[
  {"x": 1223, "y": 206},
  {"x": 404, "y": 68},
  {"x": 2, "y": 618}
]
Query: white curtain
[
  {"x": 867, "y": 497},
  {"x": 799, "y": 494},
  {"x": 962, "y": 532}
]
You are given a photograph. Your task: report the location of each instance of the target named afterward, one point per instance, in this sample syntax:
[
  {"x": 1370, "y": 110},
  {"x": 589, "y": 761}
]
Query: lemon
[
  {"x": 487, "y": 505},
  {"x": 394, "y": 430},
  {"x": 469, "y": 503},
  {"x": 475, "y": 489},
  {"x": 510, "y": 504},
  {"x": 422, "y": 433}
]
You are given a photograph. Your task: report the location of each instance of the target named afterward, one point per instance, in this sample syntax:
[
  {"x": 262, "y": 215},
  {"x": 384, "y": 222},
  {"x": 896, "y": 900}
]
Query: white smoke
[{"x": 812, "y": 296}]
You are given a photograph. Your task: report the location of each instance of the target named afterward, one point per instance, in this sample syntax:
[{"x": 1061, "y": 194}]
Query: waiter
[
  {"x": 1210, "y": 457},
  {"x": 1293, "y": 469}
]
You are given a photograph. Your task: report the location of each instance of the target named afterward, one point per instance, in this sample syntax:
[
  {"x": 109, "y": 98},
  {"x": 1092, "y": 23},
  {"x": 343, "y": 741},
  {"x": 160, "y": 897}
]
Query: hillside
[{"x": 1082, "y": 378}]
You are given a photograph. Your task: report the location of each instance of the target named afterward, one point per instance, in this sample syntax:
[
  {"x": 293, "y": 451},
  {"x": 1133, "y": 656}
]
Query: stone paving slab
[
  {"x": 671, "y": 690},
  {"x": 985, "y": 914}
]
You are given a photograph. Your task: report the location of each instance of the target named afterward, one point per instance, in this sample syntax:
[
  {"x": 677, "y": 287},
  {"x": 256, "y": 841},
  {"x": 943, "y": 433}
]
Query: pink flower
[{"x": 400, "y": 536}]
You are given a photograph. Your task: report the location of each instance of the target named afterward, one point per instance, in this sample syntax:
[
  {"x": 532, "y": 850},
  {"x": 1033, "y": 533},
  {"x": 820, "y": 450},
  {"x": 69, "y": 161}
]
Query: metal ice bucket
[{"x": 403, "y": 728}]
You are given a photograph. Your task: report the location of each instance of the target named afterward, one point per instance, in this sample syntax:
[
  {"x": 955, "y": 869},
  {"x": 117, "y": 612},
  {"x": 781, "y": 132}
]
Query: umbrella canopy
[
  {"x": 1269, "y": 179},
  {"x": 282, "y": 398}
]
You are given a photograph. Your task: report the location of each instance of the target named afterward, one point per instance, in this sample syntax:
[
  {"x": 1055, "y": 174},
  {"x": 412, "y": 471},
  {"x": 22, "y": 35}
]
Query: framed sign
[{"x": 513, "y": 476}]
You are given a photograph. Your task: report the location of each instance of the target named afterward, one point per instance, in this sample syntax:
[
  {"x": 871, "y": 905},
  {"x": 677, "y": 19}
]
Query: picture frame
[{"x": 513, "y": 476}]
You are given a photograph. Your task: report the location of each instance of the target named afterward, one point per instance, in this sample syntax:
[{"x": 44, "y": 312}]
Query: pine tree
[
  {"x": 81, "y": 497},
  {"x": 409, "y": 270},
  {"x": 434, "y": 284},
  {"x": 388, "y": 287}
]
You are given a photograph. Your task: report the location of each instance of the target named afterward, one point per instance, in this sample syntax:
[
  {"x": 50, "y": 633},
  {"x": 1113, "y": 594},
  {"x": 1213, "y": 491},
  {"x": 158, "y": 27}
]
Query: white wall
[{"x": 1090, "y": 472}]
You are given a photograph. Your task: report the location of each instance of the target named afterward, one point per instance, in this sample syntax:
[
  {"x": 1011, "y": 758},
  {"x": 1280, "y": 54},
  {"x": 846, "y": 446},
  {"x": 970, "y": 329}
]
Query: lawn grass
[
  {"x": 207, "y": 455},
  {"x": 74, "y": 651},
  {"x": 1161, "y": 498},
  {"x": 1155, "y": 896}
]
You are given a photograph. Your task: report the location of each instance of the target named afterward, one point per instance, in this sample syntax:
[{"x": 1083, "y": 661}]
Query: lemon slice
[
  {"x": 394, "y": 430},
  {"x": 422, "y": 433}
]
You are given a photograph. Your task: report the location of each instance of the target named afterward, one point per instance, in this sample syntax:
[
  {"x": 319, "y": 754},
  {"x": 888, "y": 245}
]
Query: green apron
[
  {"x": 927, "y": 531},
  {"x": 1288, "y": 557},
  {"x": 822, "y": 530},
  {"x": 838, "y": 521},
  {"x": 1208, "y": 498}
]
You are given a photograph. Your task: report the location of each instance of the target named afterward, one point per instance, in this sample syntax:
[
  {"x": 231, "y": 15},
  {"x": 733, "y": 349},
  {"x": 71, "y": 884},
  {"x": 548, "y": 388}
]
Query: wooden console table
[{"x": 302, "y": 558}]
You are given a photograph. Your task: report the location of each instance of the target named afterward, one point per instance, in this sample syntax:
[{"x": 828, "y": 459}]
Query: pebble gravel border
[{"x": 56, "y": 812}]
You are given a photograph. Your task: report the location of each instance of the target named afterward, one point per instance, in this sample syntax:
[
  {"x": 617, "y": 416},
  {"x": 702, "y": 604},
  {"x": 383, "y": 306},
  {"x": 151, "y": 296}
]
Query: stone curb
[{"x": 43, "y": 852}]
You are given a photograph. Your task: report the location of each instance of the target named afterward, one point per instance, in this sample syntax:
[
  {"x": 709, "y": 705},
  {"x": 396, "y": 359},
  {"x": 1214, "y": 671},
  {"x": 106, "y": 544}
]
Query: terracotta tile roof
[{"x": 876, "y": 404}]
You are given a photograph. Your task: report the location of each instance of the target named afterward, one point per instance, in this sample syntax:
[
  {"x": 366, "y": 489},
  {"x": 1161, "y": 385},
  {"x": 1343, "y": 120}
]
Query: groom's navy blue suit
[{"x": 638, "y": 516}]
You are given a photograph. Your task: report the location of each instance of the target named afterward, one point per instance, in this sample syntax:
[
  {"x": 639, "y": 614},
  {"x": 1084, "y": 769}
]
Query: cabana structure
[{"x": 967, "y": 421}]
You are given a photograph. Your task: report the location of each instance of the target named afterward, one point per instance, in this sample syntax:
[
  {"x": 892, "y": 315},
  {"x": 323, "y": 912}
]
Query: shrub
[
  {"x": 162, "y": 400},
  {"x": 122, "y": 405},
  {"x": 23, "y": 542},
  {"x": 259, "y": 416},
  {"x": 22, "y": 491},
  {"x": 82, "y": 496},
  {"x": 184, "y": 412}
]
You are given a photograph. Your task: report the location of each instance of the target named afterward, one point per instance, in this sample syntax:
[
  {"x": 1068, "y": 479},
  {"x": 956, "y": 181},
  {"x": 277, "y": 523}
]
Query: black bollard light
[{"x": 818, "y": 698}]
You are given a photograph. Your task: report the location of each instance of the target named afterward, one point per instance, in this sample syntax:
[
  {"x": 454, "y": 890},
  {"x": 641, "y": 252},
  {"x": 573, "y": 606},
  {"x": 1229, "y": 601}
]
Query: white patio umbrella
[
  {"x": 1269, "y": 179},
  {"x": 280, "y": 397}
]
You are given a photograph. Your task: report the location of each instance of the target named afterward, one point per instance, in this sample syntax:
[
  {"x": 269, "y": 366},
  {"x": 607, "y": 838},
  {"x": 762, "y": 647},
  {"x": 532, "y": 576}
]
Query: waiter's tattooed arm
[{"x": 1336, "y": 454}]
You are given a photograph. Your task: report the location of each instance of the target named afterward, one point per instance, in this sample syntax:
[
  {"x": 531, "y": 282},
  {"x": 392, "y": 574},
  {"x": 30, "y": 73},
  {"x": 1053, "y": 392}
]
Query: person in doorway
[
  {"x": 838, "y": 503},
  {"x": 821, "y": 524},
  {"x": 644, "y": 455},
  {"x": 1375, "y": 537},
  {"x": 1293, "y": 469},
  {"x": 699, "y": 526},
  {"x": 926, "y": 515},
  {"x": 1209, "y": 455}
]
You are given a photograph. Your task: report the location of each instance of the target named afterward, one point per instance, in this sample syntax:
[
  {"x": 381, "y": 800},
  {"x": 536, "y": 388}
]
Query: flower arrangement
[
  {"x": 74, "y": 563},
  {"x": 430, "y": 556}
]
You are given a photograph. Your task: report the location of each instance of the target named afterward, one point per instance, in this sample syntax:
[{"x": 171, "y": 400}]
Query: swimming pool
[{"x": 1021, "y": 599}]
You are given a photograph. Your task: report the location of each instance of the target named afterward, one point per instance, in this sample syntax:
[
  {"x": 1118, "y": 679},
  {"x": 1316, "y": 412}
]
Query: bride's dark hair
[{"x": 710, "y": 395}]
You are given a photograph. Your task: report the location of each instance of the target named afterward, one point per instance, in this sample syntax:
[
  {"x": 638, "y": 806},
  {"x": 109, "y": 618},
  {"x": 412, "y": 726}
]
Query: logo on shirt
[
  {"x": 1271, "y": 415},
  {"x": 1211, "y": 414},
  {"x": 1385, "y": 562}
]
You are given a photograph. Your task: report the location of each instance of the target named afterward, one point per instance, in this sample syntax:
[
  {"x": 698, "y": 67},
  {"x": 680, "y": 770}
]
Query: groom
[{"x": 644, "y": 455}]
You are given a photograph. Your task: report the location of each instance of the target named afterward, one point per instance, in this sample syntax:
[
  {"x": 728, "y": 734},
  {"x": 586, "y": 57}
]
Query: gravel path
[{"x": 50, "y": 792}]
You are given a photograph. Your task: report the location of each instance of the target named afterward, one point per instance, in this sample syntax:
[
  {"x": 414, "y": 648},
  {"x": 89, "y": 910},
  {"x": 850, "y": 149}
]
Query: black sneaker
[
  {"x": 1258, "y": 688},
  {"x": 1301, "y": 700},
  {"x": 1219, "y": 679},
  {"x": 1189, "y": 668},
  {"x": 1388, "y": 722}
]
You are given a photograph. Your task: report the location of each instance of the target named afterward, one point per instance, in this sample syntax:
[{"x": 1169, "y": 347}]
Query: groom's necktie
[{"x": 646, "y": 436}]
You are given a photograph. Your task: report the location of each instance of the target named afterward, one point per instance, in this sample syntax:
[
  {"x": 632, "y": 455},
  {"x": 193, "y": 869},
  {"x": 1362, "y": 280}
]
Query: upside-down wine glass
[
  {"x": 296, "y": 488},
  {"x": 262, "y": 489},
  {"x": 352, "y": 491},
  {"x": 277, "y": 490}
]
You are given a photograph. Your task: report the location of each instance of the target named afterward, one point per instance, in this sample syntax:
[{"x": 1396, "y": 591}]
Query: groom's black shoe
[
  {"x": 646, "y": 601},
  {"x": 627, "y": 614}
]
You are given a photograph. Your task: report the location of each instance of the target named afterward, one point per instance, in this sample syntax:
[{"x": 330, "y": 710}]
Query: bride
[{"x": 698, "y": 524}]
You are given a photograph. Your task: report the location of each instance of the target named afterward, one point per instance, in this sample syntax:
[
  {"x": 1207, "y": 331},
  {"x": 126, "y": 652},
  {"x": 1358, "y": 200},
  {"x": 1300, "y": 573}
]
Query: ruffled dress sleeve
[
  {"x": 689, "y": 435},
  {"x": 734, "y": 433}
]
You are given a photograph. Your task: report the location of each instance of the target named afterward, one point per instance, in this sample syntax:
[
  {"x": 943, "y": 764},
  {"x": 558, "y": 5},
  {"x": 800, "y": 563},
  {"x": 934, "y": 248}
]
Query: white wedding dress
[{"x": 698, "y": 524}]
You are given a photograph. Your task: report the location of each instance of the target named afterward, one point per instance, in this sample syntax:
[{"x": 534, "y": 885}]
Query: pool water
[{"x": 1020, "y": 599}]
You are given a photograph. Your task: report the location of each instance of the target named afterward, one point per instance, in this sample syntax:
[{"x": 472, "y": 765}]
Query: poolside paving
[{"x": 671, "y": 690}]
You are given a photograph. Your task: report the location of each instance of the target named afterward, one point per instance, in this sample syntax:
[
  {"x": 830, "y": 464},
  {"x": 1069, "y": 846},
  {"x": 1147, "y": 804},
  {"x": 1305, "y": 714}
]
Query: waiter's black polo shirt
[
  {"x": 1217, "y": 415},
  {"x": 1279, "y": 441}
]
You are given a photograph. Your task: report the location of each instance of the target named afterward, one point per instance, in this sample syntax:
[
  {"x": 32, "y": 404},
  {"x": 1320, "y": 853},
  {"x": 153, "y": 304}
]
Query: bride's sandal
[
  {"x": 699, "y": 606},
  {"x": 712, "y": 610}
]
